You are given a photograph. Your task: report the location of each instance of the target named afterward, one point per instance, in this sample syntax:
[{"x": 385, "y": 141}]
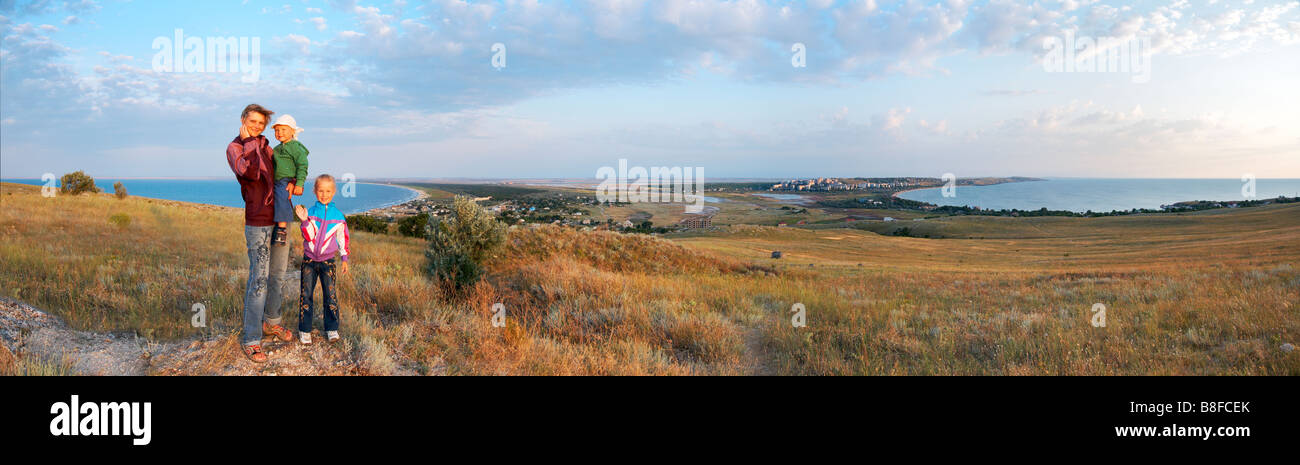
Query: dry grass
[
  {"x": 1211, "y": 293},
  {"x": 27, "y": 365}
]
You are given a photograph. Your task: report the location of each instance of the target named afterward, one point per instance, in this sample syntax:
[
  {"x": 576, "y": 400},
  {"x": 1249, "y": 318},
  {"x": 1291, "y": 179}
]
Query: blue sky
[{"x": 408, "y": 88}]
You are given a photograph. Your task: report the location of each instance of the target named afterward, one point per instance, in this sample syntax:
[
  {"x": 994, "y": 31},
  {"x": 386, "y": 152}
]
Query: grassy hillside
[{"x": 1207, "y": 293}]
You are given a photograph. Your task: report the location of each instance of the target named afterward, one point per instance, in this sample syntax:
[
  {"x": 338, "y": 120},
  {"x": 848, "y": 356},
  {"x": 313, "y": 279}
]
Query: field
[{"x": 1213, "y": 292}]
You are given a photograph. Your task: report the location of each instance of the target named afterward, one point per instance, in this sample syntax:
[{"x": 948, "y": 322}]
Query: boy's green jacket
[{"x": 291, "y": 161}]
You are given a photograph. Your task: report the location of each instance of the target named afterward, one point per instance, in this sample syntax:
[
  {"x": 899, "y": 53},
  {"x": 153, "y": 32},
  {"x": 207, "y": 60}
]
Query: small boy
[
  {"x": 290, "y": 159},
  {"x": 324, "y": 232}
]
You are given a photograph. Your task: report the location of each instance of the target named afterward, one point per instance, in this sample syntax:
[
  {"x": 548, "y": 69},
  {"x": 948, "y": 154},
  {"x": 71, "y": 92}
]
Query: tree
[
  {"x": 77, "y": 183},
  {"x": 367, "y": 223},
  {"x": 459, "y": 246},
  {"x": 119, "y": 190},
  {"x": 413, "y": 226}
]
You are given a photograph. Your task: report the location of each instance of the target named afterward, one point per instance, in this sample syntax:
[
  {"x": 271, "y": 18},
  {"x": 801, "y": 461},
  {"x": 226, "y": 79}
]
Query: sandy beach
[{"x": 419, "y": 195}]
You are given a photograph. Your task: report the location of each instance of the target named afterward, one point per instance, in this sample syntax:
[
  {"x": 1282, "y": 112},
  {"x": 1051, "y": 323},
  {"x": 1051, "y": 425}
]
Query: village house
[{"x": 697, "y": 221}]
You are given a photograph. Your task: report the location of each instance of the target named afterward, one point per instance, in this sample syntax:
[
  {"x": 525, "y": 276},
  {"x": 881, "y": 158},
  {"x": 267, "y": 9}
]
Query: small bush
[
  {"x": 375, "y": 356},
  {"x": 413, "y": 226},
  {"x": 119, "y": 190},
  {"x": 459, "y": 246},
  {"x": 77, "y": 183},
  {"x": 368, "y": 224},
  {"x": 121, "y": 220}
]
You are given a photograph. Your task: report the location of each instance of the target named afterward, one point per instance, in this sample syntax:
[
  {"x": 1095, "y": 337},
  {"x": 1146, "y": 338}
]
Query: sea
[
  {"x": 225, "y": 192},
  {"x": 1105, "y": 194}
]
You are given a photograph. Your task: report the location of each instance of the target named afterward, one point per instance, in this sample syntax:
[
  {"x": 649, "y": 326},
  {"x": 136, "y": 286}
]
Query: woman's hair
[{"x": 253, "y": 107}]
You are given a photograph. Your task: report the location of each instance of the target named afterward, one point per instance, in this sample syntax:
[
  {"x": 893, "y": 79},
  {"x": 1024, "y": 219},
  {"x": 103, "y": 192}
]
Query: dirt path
[
  {"x": 755, "y": 358},
  {"x": 30, "y": 336}
]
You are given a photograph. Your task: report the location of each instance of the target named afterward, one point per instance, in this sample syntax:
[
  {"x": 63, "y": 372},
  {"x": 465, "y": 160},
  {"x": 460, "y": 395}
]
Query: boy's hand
[
  {"x": 344, "y": 267},
  {"x": 297, "y": 190},
  {"x": 301, "y": 211}
]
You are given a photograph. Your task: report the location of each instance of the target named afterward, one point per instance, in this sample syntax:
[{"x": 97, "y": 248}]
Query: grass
[
  {"x": 28, "y": 365},
  {"x": 1207, "y": 293}
]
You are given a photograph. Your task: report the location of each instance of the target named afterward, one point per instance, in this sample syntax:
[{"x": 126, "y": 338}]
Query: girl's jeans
[{"x": 324, "y": 272}]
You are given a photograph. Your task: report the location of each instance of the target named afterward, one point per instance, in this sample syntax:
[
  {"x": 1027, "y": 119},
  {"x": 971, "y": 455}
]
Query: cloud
[
  {"x": 424, "y": 74},
  {"x": 893, "y": 120},
  {"x": 1010, "y": 92},
  {"x": 299, "y": 44}
]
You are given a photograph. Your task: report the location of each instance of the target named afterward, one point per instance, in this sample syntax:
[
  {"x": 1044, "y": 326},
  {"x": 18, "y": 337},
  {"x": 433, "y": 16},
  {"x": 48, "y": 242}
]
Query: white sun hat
[{"x": 286, "y": 120}]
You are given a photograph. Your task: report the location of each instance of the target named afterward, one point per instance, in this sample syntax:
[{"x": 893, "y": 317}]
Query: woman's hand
[{"x": 243, "y": 132}]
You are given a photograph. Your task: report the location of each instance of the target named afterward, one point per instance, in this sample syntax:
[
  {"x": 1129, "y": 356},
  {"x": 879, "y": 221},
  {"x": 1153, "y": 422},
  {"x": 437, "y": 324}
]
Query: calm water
[
  {"x": 1102, "y": 195},
  {"x": 225, "y": 192},
  {"x": 796, "y": 198}
]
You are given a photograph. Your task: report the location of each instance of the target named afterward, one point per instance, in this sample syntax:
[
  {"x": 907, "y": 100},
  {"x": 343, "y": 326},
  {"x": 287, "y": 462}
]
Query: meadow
[{"x": 1211, "y": 292}]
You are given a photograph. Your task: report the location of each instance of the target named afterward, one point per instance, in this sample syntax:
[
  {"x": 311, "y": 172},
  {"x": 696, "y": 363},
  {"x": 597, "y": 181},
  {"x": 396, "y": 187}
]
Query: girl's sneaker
[
  {"x": 304, "y": 338},
  {"x": 332, "y": 336}
]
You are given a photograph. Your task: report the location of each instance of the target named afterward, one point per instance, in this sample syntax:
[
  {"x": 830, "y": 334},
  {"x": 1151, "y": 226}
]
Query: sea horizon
[
  {"x": 1104, "y": 194},
  {"x": 1078, "y": 194},
  {"x": 225, "y": 192},
  {"x": 383, "y": 179}
]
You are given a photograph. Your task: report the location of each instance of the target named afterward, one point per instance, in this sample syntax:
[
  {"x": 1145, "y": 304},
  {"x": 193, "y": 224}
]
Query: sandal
[
  {"x": 254, "y": 353},
  {"x": 276, "y": 331}
]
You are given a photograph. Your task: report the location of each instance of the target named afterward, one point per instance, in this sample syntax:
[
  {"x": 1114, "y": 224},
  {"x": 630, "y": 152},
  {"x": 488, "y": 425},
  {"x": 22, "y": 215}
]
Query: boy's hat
[{"x": 286, "y": 120}]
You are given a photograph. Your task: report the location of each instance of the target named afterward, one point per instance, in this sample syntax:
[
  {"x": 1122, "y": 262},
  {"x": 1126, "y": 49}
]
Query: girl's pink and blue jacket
[{"x": 324, "y": 233}]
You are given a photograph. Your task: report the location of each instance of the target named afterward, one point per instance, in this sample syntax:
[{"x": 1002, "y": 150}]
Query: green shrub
[
  {"x": 413, "y": 226},
  {"x": 77, "y": 183},
  {"x": 459, "y": 246},
  {"x": 368, "y": 224},
  {"x": 119, "y": 190},
  {"x": 121, "y": 220}
]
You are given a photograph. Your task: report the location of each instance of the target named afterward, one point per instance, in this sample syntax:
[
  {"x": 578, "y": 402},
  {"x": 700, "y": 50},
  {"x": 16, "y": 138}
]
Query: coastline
[
  {"x": 418, "y": 196},
  {"x": 896, "y": 194},
  {"x": 1007, "y": 181}
]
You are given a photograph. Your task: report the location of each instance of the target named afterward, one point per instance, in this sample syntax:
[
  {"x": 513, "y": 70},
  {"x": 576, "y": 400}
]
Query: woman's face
[
  {"x": 283, "y": 133},
  {"x": 255, "y": 123}
]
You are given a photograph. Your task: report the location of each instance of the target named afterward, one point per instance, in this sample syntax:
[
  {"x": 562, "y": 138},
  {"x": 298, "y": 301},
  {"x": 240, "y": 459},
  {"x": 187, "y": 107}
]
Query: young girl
[
  {"x": 324, "y": 234},
  {"x": 290, "y": 159}
]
